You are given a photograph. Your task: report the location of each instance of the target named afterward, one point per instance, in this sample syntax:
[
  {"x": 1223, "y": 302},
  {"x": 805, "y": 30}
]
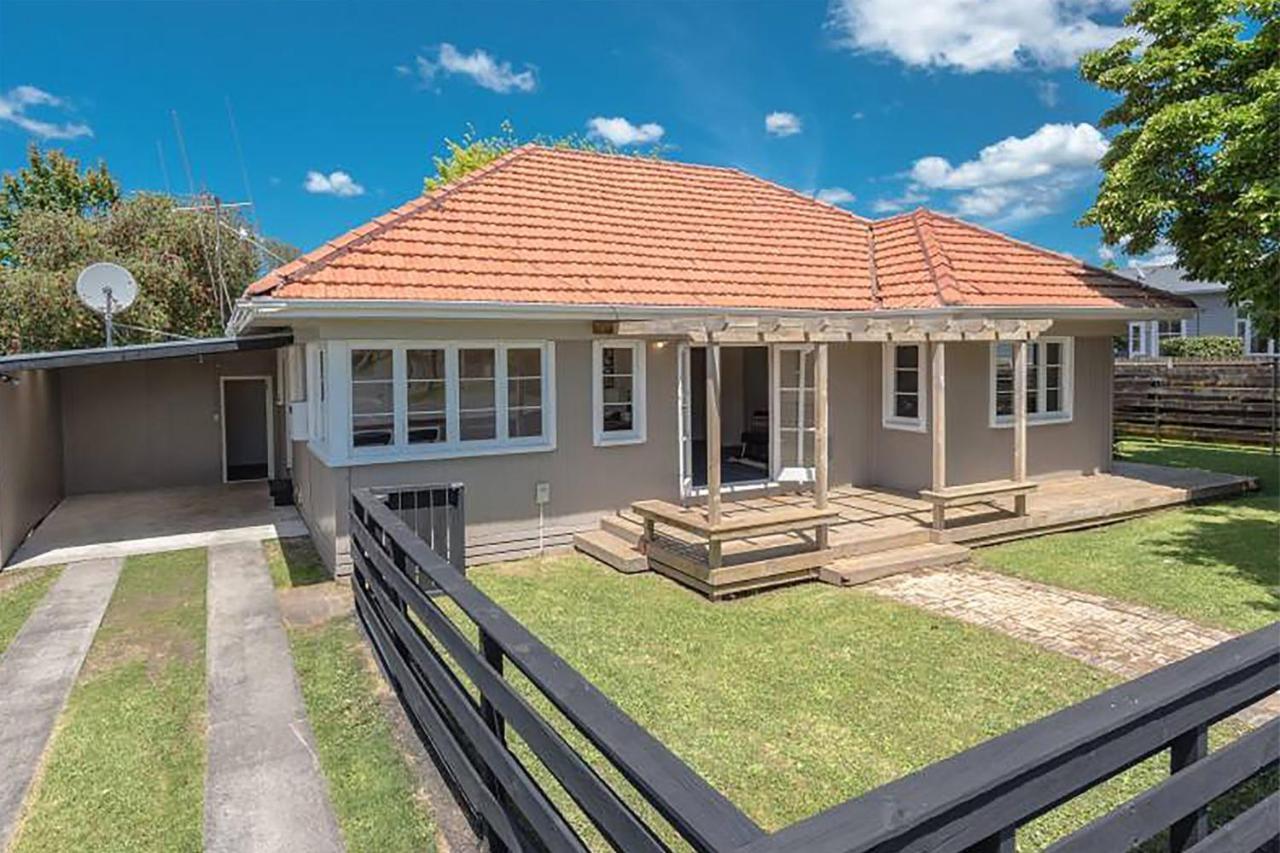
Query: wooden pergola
[{"x": 935, "y": 332}]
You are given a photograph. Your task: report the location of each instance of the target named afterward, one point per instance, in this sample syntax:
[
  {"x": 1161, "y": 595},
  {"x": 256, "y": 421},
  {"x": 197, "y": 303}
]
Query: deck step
[
  {"x": 855, "y": 570},
  {"x": 611, "y": 551},
  {"x": 624, "y": 528}
]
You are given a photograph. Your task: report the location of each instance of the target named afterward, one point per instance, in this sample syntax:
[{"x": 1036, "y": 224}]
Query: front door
[{"x": 794, "y": 401}]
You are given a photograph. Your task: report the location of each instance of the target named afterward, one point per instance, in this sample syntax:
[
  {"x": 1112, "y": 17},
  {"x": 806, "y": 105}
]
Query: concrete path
[
  {"x": 263, "y": 787},
  {"x": 1125, "y": 639},
  {"x": 38, "y": 670}
]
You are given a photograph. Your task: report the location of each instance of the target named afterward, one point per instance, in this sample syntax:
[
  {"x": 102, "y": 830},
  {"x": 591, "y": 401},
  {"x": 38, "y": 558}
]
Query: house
[
  {"x": 1214, "y": 314},
  {"x": 672, "y": 366}
]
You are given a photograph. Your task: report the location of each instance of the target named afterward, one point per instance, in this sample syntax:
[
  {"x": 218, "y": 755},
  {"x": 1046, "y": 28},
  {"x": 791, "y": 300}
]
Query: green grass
[
  {"x": 20, "y": 592},
  {"x": 373, "y": 789},
  {"x": 798, "y": 699},
  {"x": 1217, "y": 564},
  {"x": 294, "y": 562},
  {"x": 125, "y": 769}
]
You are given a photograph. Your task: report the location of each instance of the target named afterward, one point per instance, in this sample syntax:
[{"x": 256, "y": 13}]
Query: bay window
[
  {"x": 618, "y": 392},
  {"x": 1049, "y": 381},
  {"x": 412, "y": 400},
  {"x": 904, "y": 396}
]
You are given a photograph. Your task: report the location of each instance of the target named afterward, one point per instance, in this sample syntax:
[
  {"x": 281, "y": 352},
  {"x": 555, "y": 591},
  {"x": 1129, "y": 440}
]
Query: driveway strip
[
  {"x": 38, "y": 670},
  {"x": 264, "y": 789}
]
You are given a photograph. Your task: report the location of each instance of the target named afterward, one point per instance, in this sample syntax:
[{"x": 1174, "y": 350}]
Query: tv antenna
[{"x": 106, "y": 288}]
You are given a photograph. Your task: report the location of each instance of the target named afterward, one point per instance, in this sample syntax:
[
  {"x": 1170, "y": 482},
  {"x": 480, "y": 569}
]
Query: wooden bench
[
  {"x": 973, "y": 493},
  {"x": 741, "y": 526}
]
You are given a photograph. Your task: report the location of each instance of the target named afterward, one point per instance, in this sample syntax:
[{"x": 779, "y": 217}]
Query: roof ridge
[
  {"x": 872, "y": 272},
  {"x": 932, "y": 248},
  {"x": 812, "y": 199},
  {"x": 622, "y": 155},
  {"x": 341, "y": 245}
]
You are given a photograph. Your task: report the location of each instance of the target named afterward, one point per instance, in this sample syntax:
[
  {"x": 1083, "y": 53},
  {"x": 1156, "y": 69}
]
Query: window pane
[
  {"x": 618, "y": 418},
  {"x": 907, "y": 381},
  {"x": 616, "y": 360},
  {"x": 478, "y": 426},
  {"x": 617, "y": 389},
  {"x": 371, "y": 398},
  {"x": 476, "y": 363},
  {"x": 524, "y": 423},
  {"x": 1004, "y": 403},
  {"x": 789, "y": 368},
  {"x": 426, "y": 396},
  {"x": 1053, "y": 355},
  {"x": 475, "y": 394},
  {"x": 1053, "y": 400},
  {"x": 906, "y": 406},
  {"x": 370, "y": 364},
  {"x": 426, "y": 363},
  {"x": 525, "y": 361},
  {"x": 427, "y": 428},
  {"x": 789, "y": 402},
  {"x": 788, "y": 449},
  {"x": 524, "y": 392},
  {"x": 808, "y": 449},
  {"x": 371, "y": 430},
  {"x": 906, "y": 356}
]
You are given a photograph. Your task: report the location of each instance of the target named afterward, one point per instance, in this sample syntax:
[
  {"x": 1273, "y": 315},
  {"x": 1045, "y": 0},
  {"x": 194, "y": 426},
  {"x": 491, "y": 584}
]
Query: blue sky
[{"x": 966, "y": 106}]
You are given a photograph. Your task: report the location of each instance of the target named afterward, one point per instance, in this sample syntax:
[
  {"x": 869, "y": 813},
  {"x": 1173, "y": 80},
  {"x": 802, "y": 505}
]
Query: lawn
[
  {"x": 294, "y": 562},
  {"x": 20, "y": 592},
  {"x": 1218, "y": 564},
  {"x": 125, "y": 769},
  {"x": 798, "y": 699}
]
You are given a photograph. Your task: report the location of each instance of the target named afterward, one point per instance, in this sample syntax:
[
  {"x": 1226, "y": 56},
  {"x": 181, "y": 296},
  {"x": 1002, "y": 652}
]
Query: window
[
  {"x": 796, "y": 403},
  {"x": 1137, "y": 340},
  {"x": 1253, "y": 344},
  {"x": 372, "y": 398},
  {"x": 317, "y": 413},
  {"x": 419, "y": 400},
  {"x": 905, "y": 397},
  {"x": 618, "y": 392},
  {"x": 1166, "y": 329},
  {"x": 1049, "y": 381}
]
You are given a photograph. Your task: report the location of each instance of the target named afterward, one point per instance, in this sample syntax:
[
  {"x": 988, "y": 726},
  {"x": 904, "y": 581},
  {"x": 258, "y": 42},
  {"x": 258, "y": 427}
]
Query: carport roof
[{"x": 140, "y": 352}]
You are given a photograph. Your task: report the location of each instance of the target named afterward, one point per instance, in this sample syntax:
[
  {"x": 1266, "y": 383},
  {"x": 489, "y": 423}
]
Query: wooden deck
[{"x": 875, "y": 521}]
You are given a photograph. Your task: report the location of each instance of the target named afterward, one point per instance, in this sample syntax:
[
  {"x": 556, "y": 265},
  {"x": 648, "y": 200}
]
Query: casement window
[
  {"x": 411, "y": 400},
  {"x": 1049, "y": 381},
  {"x": 905, "y": 402},
  {"x": 317, "y": 389},
  {"x": 618, "y": 392},
  {"x": 1138, "y": 340}
]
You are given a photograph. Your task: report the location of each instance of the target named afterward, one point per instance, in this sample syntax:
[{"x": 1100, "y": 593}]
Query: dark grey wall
[{"x": 30, "y": 454}]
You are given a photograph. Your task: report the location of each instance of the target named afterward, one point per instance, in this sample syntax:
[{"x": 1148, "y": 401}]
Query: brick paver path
[{"x": 1125, "y": 639}]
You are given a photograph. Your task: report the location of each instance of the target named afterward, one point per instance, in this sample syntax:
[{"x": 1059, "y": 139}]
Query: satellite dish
[{"x": 106, "y": 288}]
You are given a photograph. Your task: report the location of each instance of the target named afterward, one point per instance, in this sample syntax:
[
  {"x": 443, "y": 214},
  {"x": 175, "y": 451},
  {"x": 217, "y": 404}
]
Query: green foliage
[
  {"x": 473, "y": 152},
  {"x": 1195, "y": 159},
  {"x": 1212, "y": 346},
  {"x": 52, "y": 181}
]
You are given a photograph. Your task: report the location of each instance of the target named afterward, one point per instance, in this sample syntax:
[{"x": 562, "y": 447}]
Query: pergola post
[
  {"x": 821, "y": 370},
  {"x": 713, "y": 432},
  {"x": 938, "y": 392},
  {"x": 1020, "y": 422}
]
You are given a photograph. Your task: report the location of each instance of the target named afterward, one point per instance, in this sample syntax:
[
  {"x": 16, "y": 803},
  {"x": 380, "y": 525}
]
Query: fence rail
[
  {"x": 1220, "y": 400},
  {"x": 458, "y": 694}
]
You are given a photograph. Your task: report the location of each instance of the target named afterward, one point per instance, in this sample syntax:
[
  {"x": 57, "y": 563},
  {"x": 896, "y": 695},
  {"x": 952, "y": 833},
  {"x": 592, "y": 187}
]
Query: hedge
[{"x": 1219, "y": 346}]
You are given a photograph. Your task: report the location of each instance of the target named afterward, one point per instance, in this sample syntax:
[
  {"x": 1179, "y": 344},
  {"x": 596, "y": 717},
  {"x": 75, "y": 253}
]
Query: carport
[{"x": 153, "y": 443}]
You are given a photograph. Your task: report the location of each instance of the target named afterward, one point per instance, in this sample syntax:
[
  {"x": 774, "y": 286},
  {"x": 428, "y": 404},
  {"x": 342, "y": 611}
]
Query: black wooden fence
[
  {"x": 458, "y": 693},
  {"x": 1234, "y": 400}
]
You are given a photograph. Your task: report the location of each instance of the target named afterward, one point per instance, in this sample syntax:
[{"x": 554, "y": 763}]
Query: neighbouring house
[
  {"x": 1214, "y": 315},
  {"x": 669, "y": 365}
]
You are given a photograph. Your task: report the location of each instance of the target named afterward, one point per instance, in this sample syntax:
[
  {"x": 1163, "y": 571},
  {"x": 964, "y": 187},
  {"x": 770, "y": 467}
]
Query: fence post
[
  {"x": 1275, "y": 369},
  {"x": 1185, "y": 750},
  {"x": 493, "y": 720},
  {"x": 457, "y": 528},
  {"x": 1155, "y": 393}
]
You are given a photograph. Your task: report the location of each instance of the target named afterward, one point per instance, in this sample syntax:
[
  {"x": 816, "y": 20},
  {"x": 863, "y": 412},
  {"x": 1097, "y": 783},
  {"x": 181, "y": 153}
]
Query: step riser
[{"x": 623, "y": 529}]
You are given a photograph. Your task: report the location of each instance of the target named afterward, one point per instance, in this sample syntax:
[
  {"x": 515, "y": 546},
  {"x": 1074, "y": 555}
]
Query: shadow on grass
[{"x": 294, "y": 562}]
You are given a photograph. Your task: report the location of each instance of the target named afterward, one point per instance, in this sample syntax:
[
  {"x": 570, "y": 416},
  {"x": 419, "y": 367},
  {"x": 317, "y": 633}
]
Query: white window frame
[
  {"x": 317, "y": 394},
  {"x": 1246, "y": 338},
  {"x": 888, "y": 388},
  {"x": 1142, "y": 330},
  {"x": 342, "y": 452},
  {"x": 639, "y": 413},
  {"x": 1067, "y": 391}
]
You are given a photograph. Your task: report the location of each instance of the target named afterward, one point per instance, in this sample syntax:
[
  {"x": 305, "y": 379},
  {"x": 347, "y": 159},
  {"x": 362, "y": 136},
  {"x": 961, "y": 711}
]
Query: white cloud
[
  {"x": 1162, "y": 254},
  {"x": 485, "y": 71},
  {"x": 1047, "y": 91},
  {"x": 835, "y": 195},
  {"x": 977, "y": 35},
  {"x": 859, "y": 115},
  {"x": 1106, "y": 253},
  {"x": 618, "y": 131},
  {"x": 1018, "y": 178},
  {"x": 782, "y": 124},
  {"x": 337, "y": 183},
  {"x": 16, "y": 102},
  {"x": 911, "y": 197}
]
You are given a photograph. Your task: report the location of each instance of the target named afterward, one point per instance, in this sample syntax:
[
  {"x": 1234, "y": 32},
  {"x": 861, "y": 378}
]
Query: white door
[
  {"x": 794, "y": 399},
  {"x": 684, "y": 412}
]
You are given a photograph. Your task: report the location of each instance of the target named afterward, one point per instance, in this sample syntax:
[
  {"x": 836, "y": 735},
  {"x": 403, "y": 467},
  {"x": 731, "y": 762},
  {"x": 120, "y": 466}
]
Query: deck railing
[{"x": 458, "y": 694}]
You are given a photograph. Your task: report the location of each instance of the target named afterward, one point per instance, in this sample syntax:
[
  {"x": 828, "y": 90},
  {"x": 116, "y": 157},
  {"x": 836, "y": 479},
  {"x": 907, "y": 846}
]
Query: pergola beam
[{"x": 731, "y": 329}]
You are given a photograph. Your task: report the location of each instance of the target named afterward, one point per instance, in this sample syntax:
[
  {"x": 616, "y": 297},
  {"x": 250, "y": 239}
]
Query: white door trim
[{"x": 222, "y": 416}]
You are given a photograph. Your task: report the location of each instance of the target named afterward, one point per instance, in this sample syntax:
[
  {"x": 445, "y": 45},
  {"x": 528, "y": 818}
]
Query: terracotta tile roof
[{"x": 556, "y": 226}]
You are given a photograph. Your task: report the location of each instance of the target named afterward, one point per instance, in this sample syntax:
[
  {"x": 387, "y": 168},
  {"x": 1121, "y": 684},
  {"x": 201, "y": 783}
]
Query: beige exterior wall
[
  {"x": 30, "y": 455},
  {"x": 588, "y": 481},
  {"x": 152, "y": 424}
]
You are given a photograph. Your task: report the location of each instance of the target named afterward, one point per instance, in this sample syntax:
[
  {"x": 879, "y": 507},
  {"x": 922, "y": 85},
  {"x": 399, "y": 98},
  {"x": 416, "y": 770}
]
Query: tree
[
  {"x": 52, "y": 181},
  {"x": 1196, "y": 161},
  {"x": 473, "y": 152}
]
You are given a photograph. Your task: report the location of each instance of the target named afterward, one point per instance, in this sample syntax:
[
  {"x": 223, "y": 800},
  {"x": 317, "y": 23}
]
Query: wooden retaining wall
[{"x": 1221, "y": 400}]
